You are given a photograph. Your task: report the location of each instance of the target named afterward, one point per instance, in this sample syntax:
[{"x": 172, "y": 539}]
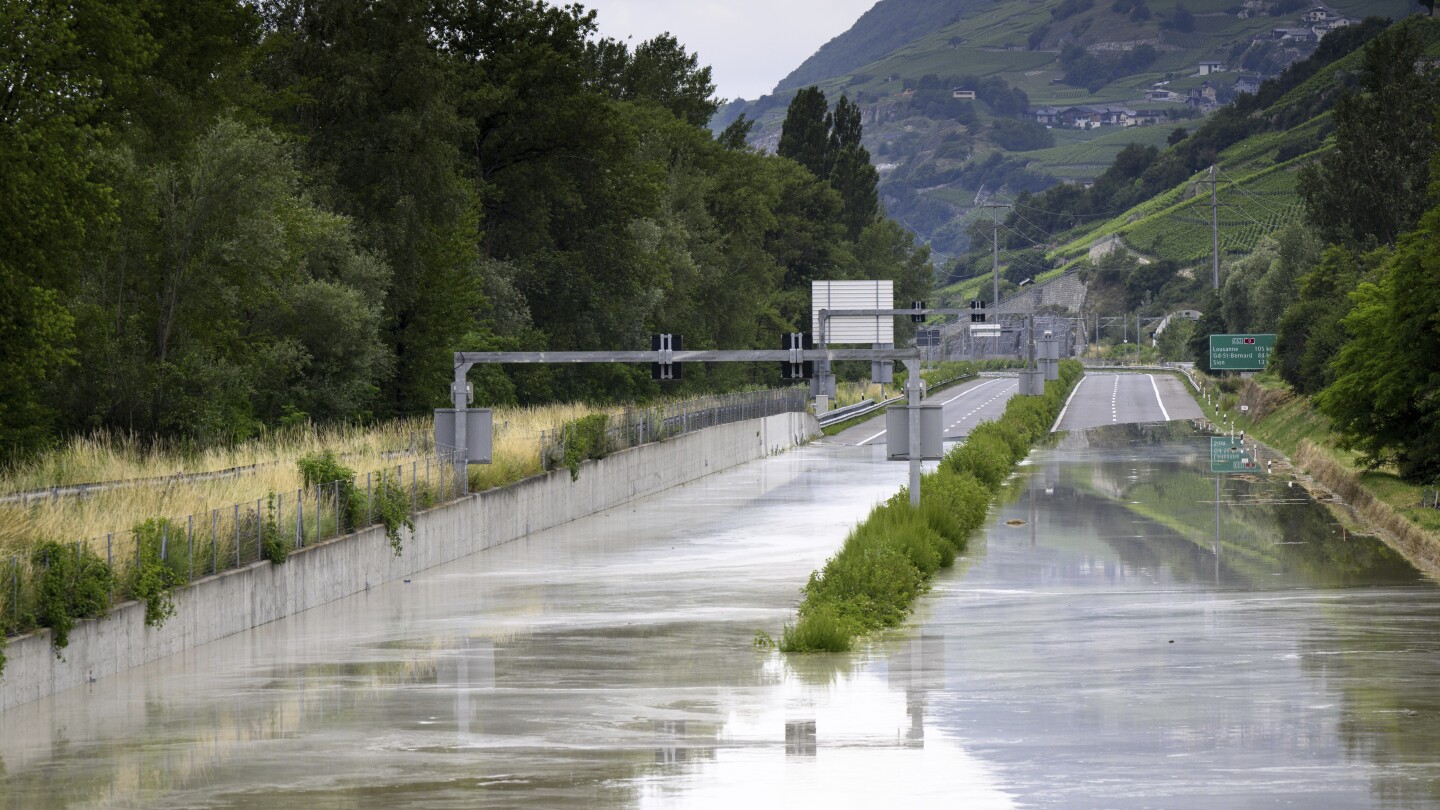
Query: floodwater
[{"x": 1115, "y": 638}]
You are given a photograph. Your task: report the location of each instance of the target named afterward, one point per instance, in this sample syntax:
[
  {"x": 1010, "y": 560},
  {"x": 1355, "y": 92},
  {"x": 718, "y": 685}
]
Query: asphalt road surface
[
  {"x": 965, "y": 406},
  {"x": 1116, "y": 399}
]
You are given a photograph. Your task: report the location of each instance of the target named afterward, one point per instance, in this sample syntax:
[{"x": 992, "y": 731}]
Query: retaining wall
[{"x": 238, "y": 600}]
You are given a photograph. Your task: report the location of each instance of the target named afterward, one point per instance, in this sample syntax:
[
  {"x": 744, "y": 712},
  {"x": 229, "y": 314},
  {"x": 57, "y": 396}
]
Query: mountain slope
[
  {"x": 888, "y": 25},
  {"x": 938, "y": 155}
]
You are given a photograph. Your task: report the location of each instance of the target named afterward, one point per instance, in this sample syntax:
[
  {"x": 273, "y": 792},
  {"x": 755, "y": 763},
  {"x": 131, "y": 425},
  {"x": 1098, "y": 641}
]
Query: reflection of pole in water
[{"x": 1217, "y": 529}]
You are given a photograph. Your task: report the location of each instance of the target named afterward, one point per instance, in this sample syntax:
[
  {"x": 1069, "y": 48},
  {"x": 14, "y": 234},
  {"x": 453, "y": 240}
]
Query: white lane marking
[
  {"x": 1158, "y": 401},
  {"x": 970, "y": 390},
  {"x": 981, "y": 406},
  {"x": 1114, "y": 396},
  {"x": 943, "y": 404},
  {"x": 1061, "y": 417}
]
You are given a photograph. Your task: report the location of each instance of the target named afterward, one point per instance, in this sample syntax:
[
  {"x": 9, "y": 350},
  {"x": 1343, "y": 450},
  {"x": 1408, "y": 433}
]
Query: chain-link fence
[
  {"x": 229, "y": 537},
  {"x": 639, "y": 426}
]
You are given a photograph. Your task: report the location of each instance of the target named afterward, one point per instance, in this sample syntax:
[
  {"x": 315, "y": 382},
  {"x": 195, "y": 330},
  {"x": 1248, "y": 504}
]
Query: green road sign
[
  {"x": 1240, "y": 352},
  {"x": 1228, "y": 455}
]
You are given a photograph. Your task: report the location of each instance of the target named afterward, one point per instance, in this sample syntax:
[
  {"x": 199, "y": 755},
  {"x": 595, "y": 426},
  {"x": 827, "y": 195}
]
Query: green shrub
[
  {"x": 1010, "y": 432},
  {"x": 585, "y": 438},
  {"x": 820, "y": 630},
  {"x": 73, "y": 583},
  {"x": 324, "y": 470},
  {"x": 272, "y": 546},
  {"x": 959, "y": 495},
  {"x": 392, "y": 506},
  {"x": 984, "y": 456},
  {"x": 162, "y": 563}
]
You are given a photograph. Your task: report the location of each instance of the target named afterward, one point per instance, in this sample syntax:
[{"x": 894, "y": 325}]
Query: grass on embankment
[
  {"x": 1284, "y": 420},
  {"x": 888, "y": 560}
]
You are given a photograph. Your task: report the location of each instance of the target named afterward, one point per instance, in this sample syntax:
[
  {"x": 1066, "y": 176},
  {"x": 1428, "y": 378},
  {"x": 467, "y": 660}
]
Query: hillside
[
  {"x": 1259, "y": 145},
  {"x": 939, "y": 154}
]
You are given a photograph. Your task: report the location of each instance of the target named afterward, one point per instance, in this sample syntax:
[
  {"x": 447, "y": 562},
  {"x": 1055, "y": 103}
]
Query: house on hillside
[
  {"x": 1248, "y": 84},
  {"x": 961, "y": 92},
  {"x": 1046, "y": 116},
  {"x": 1318, "y": 14},
  {"x": 1202, "y": 96},
  {"x": 1158, "y": 96},
  {"x": 1116, "y": 116},
  {"x": 1298, "y": 36},
  {"x": 1079, "y": 117},
  {"x": 1146, "y": 118},
  {"x": 1209, "y": 66}
]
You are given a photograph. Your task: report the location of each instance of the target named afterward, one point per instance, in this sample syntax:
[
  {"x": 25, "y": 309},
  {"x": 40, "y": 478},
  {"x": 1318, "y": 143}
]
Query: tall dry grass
[{"x": 158, "y": 492}]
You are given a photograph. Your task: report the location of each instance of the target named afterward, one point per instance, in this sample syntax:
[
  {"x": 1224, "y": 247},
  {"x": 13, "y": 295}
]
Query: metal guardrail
[{"x": 868, "y": 406}]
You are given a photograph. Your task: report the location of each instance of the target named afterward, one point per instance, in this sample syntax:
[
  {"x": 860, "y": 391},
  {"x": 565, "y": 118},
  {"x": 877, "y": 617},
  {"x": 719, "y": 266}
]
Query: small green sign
[
  {"x": 1240, "y": 352},
  {"x": 1228, "y": 455}
]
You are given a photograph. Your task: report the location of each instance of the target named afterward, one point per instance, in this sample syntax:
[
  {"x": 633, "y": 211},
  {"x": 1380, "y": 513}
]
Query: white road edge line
[
  {"x": 1158, "y": 401},
  {"x": 1073, "y": 392},
  {"x": 872, "y": 438}
]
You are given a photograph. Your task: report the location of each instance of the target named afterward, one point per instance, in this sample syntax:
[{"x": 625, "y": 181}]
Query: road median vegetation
[{"x": 889, "y": 559}]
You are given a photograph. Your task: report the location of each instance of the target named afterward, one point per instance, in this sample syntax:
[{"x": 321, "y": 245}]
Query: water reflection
[{"x": 1145, "y": 634}]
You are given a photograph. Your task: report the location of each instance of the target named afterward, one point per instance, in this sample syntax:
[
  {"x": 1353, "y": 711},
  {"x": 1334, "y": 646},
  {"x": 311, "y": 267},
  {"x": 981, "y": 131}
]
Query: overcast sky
[{"x": 749, "y": 44}]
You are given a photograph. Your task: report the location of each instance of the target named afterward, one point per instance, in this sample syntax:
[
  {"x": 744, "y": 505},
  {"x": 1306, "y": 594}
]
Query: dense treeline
[
  {"x": 221, "y": 216},
  {"x": 1353, "y": 293}
]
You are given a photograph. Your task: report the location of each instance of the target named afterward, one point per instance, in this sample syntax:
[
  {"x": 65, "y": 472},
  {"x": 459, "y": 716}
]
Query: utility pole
[
  {"x": 1214, "y": 228},
  {"x": 995, "y": 247}
]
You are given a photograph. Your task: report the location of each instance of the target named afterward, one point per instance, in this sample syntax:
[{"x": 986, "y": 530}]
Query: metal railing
[{"x": 639, "y": 426}]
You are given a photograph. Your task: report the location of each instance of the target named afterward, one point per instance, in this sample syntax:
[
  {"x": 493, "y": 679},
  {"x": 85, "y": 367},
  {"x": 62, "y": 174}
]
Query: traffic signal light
[
  {"x": 917, "y": 317},
  {"x": 977, "y": 311}
]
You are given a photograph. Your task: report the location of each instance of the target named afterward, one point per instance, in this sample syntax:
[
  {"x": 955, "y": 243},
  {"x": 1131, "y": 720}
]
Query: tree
[
  {"x": 805, "y": 134},
  {"x": 1385, "y": 399},
  {"x": 1372, "y": 186},
  {"x": 228, "y": 298},
  {"x": 59, "y": 63},
  {"x": 1310, "y": 332},
  {"x": 661, "y": 71}
]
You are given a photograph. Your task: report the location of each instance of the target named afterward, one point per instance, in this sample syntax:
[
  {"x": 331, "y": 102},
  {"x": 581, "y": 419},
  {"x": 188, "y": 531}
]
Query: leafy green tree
[
  {"x": 1385, "y": 399},
  {"x": 228, "y": 297},
  {"x": 1372, "y": 186},
  {"x": 1310, "y": 332},
  {"x": 373, "y": 97},
  {"x": 661, "y": 71},
  {"x": 59, "y": 63}
]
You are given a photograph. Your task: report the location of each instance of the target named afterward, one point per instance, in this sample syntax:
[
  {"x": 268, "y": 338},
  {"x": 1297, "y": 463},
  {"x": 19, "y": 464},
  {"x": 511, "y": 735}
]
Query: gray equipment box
[
  {"x": 479, "y": 423},
  {"x": 932, "y": 432},
  {"x": 1032, "y": 382}
]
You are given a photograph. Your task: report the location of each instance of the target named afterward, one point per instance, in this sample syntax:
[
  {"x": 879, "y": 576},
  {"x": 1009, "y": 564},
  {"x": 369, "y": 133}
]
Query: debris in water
[{"x": 1014, "y": 522}]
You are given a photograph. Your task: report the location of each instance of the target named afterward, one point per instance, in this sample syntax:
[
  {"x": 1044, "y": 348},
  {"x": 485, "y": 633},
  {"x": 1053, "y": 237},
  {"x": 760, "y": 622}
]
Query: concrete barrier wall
[{"x": 238, "y": 600}]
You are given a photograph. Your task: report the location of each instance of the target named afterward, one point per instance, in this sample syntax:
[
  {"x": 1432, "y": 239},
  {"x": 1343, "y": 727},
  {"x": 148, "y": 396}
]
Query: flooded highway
[{"x": 1116, "y": 637}]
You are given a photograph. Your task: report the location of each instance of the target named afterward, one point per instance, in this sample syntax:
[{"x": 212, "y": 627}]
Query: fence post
[
  {"x": 339, "y": 527},
  {"x": 15, "y": 588},
  {"x": 319, "y": 512},
  {"x": 215, "y": 547},
  {"x": 299, "y": 518},
  {"x": 189, "y": 544},
  {"x": 414, "y": 488},
  {"x": 368, "y": 518},
  {"x": 259, "y": 535}
]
